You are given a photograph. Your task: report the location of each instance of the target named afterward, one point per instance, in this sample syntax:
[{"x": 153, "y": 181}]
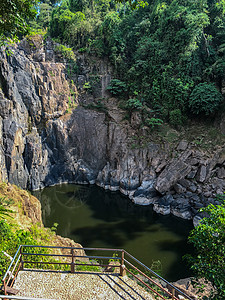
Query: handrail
[
  {"x": 75, "y": 248},
  {"x": 11, "y": 262},
  {"x": 67, "y": 255},
  {"x": 155, "y": 274},
  {"x": 140, "y": 263},
  {"x": 130, "y": 264},
  {"x": 75, "y": 262}
]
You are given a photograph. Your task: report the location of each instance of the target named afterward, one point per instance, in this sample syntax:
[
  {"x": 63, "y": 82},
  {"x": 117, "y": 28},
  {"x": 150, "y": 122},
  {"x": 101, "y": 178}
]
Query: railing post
[
  {"x": 4, "y": 283},
  {"x": 72, "y": 263},
  {"x": 122, "y": 265},
  {"x": 173, "y": 293},
  {"x": 21, "y": 259}
]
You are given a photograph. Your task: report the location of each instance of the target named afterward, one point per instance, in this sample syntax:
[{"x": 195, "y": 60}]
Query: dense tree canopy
[
  {"x": 209, "y": 240},
  {"x": 169, "y": 63},
  {"x": 161, "y": 51},
  {"x": 14, "y": 15}
]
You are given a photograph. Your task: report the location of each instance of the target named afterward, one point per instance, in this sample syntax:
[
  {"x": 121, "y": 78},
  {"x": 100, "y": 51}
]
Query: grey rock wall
[{"x": 42, "y": 144}]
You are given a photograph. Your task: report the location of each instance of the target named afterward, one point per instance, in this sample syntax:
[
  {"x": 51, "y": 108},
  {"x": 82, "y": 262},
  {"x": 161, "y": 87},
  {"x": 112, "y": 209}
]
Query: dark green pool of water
[{"x": 97, "y": 218}]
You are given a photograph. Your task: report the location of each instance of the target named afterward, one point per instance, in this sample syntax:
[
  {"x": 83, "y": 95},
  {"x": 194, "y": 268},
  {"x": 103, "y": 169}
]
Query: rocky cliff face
[{"x": 46, "y": 138}]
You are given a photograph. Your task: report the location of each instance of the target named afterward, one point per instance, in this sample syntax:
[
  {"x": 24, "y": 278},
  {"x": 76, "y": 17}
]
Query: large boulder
[{"x": 175, "y": 171}]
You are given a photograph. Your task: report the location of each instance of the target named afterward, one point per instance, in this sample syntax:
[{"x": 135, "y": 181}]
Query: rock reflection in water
[{"x": 96, "y": 218}]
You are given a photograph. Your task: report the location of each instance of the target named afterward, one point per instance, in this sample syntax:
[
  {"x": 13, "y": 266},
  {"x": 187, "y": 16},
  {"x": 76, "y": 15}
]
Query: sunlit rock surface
[{"x": 49, "y": 135}]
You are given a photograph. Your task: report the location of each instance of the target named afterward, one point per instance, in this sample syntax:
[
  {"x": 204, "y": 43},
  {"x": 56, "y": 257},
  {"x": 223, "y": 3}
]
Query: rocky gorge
[{"x": 53, "y": 130}]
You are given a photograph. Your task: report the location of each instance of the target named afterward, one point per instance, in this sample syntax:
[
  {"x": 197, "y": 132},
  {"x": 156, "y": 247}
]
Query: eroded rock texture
[{"x": 48, "y": 136}]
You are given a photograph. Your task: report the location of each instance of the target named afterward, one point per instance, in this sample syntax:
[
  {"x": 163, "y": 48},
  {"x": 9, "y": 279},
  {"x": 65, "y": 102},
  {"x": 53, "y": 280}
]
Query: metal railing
[
  {"x": 127, "y": 263},
  {"x": 12, "y": 271}
]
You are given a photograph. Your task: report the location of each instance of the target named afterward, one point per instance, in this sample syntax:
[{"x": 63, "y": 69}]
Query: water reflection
[{"x": 96, "y": 218}]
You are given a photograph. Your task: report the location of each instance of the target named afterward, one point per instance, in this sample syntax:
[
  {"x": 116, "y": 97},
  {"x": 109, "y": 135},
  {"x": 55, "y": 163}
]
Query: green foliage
[
  {"x": 10, "y": 239},
  {"x": 134, "y": 104},
  {"x": 117, "y": 87},
  {"x": 36, "y": 31},
  {"x": 78, "y": 5},
  {"x": 205, "y": 98},
  {"x": 176, "y": 118},
  {"x": 69, "y": 23},
  {"x": 72, "y": 68},
  {"x": 71, "y": 105},
  {"x": 51, "y": 73},
  {"x": 163, "y": 49},
  {"x": 154, "y": 122},
  {"x": 82, "y": 267},
  {"x": 112, "y": 260},
  {"x": 82, "y": 50},
  {"x": 12, "y": 236},
  {"x": 87, "y": 86},
  {"x": 13, "y": 18},
  {"x": 209, "y": 240},
  {"x": 66, "y": 52},
  {"x": 44, "y": 16},
  {"x": 54, "y": 227},
  {"x": 135, "y": 4}
]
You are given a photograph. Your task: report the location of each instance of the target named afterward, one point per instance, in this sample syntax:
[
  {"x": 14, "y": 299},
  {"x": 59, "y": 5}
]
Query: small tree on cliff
[{"x": 209, "y": 240}]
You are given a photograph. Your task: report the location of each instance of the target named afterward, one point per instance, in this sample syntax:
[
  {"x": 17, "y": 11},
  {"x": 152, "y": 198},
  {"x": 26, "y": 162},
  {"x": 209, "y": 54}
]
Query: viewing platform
[
  {"x": 76, "y": 275},
  {"x": 78, "y": 286}
]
